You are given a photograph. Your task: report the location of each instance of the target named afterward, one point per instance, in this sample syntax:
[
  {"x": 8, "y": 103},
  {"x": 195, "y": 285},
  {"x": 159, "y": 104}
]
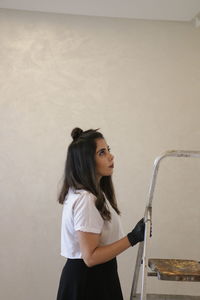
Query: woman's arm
[{"x": 93, "y": 254}]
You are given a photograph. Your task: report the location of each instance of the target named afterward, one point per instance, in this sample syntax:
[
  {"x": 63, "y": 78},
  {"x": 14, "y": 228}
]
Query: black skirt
[{"x": 79, "y": 282}]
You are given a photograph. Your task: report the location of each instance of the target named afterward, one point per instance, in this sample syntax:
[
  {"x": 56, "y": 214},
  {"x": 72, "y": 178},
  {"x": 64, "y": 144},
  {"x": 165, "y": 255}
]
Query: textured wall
[{"x": 139, "y": 82}]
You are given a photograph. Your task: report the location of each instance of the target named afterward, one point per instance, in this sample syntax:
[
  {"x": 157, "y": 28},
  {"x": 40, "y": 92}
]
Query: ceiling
[{"x": 168, "y": 10}]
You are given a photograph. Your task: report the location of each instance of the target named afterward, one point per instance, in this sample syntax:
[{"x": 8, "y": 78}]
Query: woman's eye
[{"x": 101, "y": 153}]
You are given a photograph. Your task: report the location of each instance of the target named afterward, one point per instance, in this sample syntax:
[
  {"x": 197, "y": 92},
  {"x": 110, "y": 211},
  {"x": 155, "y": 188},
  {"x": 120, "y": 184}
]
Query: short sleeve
[{"x": 86, "y": 216}]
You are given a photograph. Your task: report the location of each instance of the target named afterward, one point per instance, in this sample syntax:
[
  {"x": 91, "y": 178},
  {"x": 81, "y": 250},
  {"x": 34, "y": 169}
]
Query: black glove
[{"x": 137, "y": 234}]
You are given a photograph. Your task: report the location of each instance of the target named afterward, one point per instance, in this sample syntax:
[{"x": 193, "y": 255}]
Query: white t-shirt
[{"x": 80, "y": 213}]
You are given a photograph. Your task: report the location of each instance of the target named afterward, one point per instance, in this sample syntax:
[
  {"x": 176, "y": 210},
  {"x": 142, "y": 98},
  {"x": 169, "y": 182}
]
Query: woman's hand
[{"x": 137, "y": 234}]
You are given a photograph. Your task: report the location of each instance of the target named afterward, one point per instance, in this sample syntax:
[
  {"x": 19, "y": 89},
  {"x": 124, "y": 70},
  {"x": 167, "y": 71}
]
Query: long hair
[{"x": 80, "y": 171}]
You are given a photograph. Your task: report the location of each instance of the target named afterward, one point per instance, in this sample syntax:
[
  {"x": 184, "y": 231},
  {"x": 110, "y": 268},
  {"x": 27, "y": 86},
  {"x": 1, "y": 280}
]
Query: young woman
[{"x": 91, "y": 234}]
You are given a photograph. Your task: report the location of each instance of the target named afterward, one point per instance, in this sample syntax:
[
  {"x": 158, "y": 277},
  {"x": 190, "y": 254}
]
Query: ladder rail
[
  {"x": 142, "y": 255},
  {"x": 171, "y": 153},
  {"x": 137, "y": 270}
]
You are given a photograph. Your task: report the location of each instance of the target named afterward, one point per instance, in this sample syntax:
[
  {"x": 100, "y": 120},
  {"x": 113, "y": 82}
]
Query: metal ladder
[{"x": 173, "y": 267}]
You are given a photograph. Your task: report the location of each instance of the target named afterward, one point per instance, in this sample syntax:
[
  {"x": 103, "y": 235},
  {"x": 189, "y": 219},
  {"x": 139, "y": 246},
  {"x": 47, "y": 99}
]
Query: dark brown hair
[{"x": 80, "y": 171}]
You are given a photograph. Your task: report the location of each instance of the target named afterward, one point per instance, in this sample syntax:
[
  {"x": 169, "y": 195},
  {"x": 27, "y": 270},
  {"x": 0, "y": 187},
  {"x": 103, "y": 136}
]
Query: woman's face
[{"x": 104, "y": 159}]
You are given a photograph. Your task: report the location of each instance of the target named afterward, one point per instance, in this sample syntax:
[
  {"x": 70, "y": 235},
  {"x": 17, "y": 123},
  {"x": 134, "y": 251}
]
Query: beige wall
[{"x": 139, "y": 81}]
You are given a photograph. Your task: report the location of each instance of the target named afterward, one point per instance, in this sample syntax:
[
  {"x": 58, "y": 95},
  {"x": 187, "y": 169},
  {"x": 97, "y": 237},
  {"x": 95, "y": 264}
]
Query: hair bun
[{"x": 76, "y": 133}]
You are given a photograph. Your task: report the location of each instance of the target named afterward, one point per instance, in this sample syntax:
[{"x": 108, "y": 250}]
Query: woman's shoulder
[
  {"x": 80, "y": 199},
  {"x": 78, "y": 192},
  {"x": 76, "y": 195}
]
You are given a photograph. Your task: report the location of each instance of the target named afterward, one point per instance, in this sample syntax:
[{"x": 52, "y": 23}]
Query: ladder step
[{"x": 175, "y": 269}]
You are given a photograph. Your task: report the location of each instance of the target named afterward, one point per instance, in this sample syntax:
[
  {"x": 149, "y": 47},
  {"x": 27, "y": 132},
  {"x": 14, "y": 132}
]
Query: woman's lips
[{"x": 111, "y": 166}]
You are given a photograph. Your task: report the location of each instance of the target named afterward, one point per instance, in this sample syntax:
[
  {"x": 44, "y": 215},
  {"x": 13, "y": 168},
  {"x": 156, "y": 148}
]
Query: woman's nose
[{"x": 111, "y": 156}]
